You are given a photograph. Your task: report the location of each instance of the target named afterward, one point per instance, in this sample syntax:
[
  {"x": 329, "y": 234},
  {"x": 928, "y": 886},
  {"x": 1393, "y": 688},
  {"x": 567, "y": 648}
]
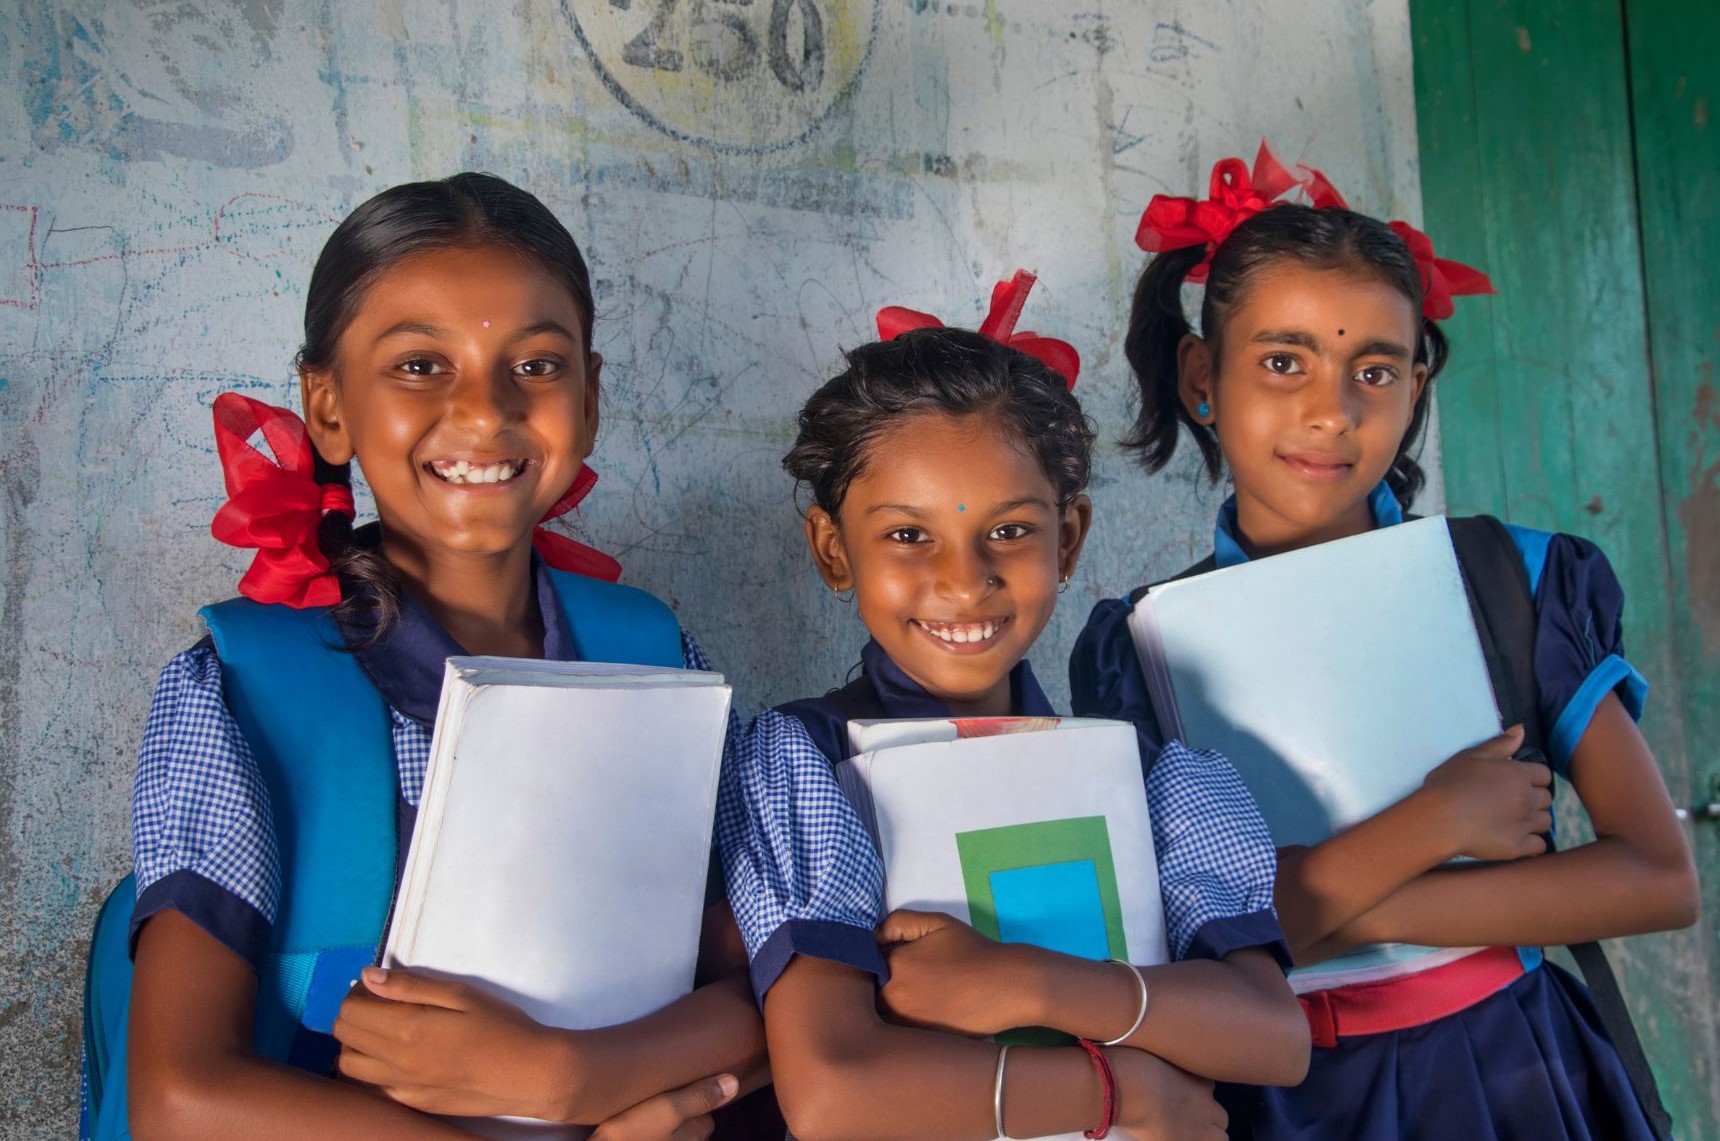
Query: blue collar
[
  {"x": 407, "y": 666},
  {"x": 902, "y": 696},
  {"x": 1227, "y": 552}
]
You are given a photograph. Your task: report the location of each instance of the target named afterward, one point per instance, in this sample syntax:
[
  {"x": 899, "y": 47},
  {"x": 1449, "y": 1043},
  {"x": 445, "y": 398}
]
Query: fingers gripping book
[
  {"x": 562, "y": 842},
  {"x": 1030, "y": 829}
]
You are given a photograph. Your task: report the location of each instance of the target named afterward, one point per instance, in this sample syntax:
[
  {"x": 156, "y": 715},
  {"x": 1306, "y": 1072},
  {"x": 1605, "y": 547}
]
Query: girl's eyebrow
[
  {"x": 1380, "y": 347},
  {"x": 1286, "y": 337}
]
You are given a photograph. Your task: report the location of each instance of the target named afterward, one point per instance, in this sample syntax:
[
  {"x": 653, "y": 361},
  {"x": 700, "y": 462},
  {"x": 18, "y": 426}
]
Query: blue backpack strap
[
  {"x": 107, "y": 1008},
  {"x": 615, "y": 623},
  {"x": 322, "y": 737}
]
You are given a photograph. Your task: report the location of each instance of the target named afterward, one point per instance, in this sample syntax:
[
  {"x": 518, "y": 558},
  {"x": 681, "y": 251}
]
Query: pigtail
[
  {"x": 1156, "y": 329},
  {"x": 370, "y": 591}
]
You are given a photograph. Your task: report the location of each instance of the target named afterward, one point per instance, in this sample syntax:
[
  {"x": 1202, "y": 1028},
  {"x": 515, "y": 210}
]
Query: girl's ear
[
  {"x": 824, "y": 539},
  {"x": 1194, "y": 378},
  {"x": 323, "y": 421},
  {"x": 1072, "y": 533}
]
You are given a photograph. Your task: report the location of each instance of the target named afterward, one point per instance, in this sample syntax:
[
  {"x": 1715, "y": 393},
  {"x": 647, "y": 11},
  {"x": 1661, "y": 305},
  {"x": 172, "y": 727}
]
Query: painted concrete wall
[{"x": 168, "y": 173}]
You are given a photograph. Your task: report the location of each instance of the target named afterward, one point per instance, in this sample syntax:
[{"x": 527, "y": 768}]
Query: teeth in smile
[
  {"x": 460, "y": 471},
  {"x": 962, "y": 633}
]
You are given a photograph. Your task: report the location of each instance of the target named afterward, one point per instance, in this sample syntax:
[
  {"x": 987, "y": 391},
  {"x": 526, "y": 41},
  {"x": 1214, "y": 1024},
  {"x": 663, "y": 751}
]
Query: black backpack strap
[
  {"x": 1504, "y": 608},
  {"x": 826, "y": 718},
  {"x": 1210, "y": 563}
]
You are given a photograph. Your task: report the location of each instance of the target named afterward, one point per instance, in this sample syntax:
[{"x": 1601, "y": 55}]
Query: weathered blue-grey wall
[{"x": 751, "y": 181}]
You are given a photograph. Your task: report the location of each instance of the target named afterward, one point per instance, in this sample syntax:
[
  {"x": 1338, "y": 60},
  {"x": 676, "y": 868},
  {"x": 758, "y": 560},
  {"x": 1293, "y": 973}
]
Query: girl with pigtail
[
  {"x": 946, "y": 470},
  {"x": 447, "y": 352},
  {"x": 1308, "y": 383}
]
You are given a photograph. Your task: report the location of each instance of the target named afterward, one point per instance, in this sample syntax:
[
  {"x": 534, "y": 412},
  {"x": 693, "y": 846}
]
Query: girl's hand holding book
[
  {"x": 1492, "y": 806},
  {"x": 946, "y": 976},
  {"x": 444, "y": 1047}
]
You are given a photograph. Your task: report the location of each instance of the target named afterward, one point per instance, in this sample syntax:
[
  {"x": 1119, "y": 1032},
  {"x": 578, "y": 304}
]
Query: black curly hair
[{"x": 952, "y": 372}]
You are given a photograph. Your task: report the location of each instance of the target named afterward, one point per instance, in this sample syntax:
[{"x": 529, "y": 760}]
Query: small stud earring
[{"x": 1203, "y": 410}]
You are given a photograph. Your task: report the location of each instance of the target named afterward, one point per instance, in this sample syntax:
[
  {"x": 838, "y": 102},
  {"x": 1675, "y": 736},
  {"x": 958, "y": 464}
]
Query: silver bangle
[
  {"x": 1141, "y": 1015},
  {"x": 997, "y": 1093}
]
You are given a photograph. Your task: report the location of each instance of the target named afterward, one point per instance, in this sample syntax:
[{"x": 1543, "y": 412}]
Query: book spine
[{"x": 1150, "y": 648}]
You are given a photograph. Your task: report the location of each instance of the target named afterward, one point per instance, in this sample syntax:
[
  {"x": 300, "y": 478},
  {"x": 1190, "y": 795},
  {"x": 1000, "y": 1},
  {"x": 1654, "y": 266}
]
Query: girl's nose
[
  {"x": 965, "y": 575},
  {"x": 485, "y": 399},
  {"x": 1330, "y": 405}
]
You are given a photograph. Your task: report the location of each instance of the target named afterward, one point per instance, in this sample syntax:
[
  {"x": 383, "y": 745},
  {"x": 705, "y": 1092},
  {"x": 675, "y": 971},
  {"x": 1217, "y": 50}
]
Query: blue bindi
[{"x": 961, "y": 507}]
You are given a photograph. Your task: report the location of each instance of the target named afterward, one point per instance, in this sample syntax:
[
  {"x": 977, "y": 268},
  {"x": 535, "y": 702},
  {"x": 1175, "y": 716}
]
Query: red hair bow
[
  {"x": 275, "y": 505},
  {"x": 1234, "y": 195},
  {"x": 563, "y": 553},
  {"x": 1007, "y": 299},
  {"x": 1441, "y": 278}
]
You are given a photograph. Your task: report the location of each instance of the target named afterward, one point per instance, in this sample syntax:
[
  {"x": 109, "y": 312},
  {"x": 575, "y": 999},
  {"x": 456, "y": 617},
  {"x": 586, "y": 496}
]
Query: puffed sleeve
[
  {"x": 1105, "y": 678},
  {"x": 1216, "y": 860},
  {"x": 803, "y": 875},
  {"x": 1579, "y": 637},
  {"x": 203, "y": 839}
]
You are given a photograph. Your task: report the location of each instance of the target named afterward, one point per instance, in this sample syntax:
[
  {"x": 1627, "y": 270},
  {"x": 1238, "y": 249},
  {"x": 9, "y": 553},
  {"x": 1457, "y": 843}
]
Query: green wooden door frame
[{"x": 1566, "y": 150}]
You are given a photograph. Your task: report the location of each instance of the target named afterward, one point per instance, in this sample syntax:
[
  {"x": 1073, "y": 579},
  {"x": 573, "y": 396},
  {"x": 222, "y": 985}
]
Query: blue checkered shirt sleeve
[
  {"x": 803, "y": 875},
  {"x": 1216, "y": 859},
  {"x": 203, "y": 839}
]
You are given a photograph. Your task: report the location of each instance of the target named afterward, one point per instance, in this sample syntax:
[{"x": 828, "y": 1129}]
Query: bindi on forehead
[{"x": 1340, "y": 331}]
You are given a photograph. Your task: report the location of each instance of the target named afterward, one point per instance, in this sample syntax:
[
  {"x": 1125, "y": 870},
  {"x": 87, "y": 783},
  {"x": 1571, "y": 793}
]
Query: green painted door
[{"x": 1567, "y": 149}]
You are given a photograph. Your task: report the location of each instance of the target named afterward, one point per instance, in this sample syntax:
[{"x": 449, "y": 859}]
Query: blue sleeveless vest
[{"x": 321, "y": 735}]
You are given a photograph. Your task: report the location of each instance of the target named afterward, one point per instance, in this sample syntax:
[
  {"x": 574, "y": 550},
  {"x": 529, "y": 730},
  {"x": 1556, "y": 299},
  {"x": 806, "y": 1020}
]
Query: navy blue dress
[{"x": 1531, "y": 1062}]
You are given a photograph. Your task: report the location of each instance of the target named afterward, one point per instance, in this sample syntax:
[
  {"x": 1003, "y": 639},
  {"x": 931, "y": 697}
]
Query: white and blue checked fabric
[
  {"x": 794, "y": 849},
  {"x": 791, "y": 844},
  {"x": 1216, "y": 858},
  {"x": 200, "y": 804}
]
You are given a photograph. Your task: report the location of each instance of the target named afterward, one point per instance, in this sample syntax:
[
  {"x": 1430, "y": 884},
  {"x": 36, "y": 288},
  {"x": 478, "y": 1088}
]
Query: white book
[
  {"x": 1031, "y": 830},
  {"x": 1334, "y": 677},
  {"x": 562, "y": 841}
]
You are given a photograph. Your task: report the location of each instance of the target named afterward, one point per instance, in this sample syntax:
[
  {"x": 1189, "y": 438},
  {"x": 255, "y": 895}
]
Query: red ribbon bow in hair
[
  {"x": 275, "y": 505},
  {"x": 1007, "y": 299},
  {"x": 1441, "y": 278},
  {"x": 1234, "y": 195},
  {"x": 563, "y": 553}
]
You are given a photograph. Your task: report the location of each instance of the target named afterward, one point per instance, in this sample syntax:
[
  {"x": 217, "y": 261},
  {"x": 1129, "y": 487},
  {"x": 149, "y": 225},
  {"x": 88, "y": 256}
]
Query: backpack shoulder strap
[
  {"x": 1499, "y": 596},
  {"x": 1210, "y": 563},
  {"x": 1504, "y": 608},
  {"x": 615, "y": 623},
  {"x": 331, "y": 774}
]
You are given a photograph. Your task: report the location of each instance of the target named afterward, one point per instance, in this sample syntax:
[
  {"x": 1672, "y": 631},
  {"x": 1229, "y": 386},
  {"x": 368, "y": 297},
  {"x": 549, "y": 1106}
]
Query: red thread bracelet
[{"x": 1109, "y": 1081}]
